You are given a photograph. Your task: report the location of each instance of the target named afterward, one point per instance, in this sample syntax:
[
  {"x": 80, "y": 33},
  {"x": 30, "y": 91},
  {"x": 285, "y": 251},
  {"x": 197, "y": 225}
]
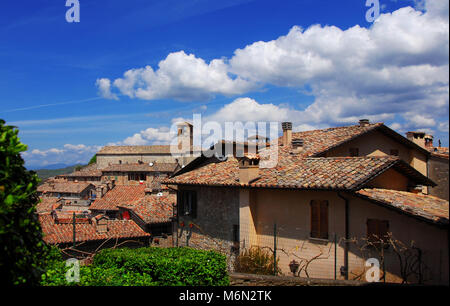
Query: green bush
[
  {"x": 146, "y": 267},
  {"x": 255, "y": 261},
  {"x": 21, "y": 242},
  {"x": 95, "y": 276}
]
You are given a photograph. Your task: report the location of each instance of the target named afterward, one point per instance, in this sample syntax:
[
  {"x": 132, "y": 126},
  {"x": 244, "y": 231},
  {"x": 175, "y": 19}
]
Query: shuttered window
[
  {"x": 187, "y": 203},
  {"x": 319, "y": 219},
  {"x": 377, "y": 230}
]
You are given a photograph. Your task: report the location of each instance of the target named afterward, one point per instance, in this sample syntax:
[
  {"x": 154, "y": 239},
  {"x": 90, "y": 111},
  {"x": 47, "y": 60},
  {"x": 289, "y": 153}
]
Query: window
[
  {"x": 319, "y": 219},
  {"x": 136, "y": 176},
  {"x": 394, "y": 152},
  {"x": 187, "y": 203},
  {"x": 377, "y": 230},
  {"x": 354, "y": 152}
]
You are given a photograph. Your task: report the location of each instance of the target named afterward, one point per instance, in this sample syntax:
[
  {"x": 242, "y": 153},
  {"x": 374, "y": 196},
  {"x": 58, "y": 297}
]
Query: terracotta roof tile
[
  {"x": 439, "y": 151},
  {"x": 119, "y": 195},
  {"x": 87, "y": 171},
  {"x": 319, "y": 141},
  {"x": 62, "y": 233},
  {"x": 425, "y": 206},
  {"x": 153, "y": 208},
  {"x": 144, "y": 167},
  {"x": 293, "y": 171},
  {"x": 47, "y": 204},
  {"x": 63, "y": 187}
]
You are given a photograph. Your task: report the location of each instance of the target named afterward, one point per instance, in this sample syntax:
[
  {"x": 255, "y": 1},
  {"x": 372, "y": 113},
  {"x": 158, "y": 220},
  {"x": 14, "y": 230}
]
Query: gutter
[{"x": 347, "y": 237}]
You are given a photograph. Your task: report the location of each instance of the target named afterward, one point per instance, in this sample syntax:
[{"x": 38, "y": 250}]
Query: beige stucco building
[{"x": 331, "y": 193}]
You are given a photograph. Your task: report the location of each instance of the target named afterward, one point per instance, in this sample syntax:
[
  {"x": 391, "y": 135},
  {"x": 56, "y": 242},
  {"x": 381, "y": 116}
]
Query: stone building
[
  {"x": 138, "y": 173},
  {"x": 437, "y": 163},
  {"x": 182, "y": 154},
  {"x": 332, "y": 192}
]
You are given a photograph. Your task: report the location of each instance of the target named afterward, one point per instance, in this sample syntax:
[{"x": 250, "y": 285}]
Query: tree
[
  {"x": 93, "y": 159},
  {"x": 22, "y": 247}
]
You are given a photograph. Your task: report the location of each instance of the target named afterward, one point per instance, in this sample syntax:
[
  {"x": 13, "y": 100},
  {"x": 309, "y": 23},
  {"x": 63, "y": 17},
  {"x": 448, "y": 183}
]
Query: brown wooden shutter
[
  {"x": 324, "y": 219},
  {"x": 315, "y": 219}
]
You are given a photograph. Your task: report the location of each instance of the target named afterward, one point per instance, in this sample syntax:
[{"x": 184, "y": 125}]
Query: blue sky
[{"x": 317, "y": 63}]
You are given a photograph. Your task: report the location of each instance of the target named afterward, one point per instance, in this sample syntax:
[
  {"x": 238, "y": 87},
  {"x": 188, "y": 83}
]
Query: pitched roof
[
  {"x": 293, "y": 171},
  {"x": 63, "y": 187},
  {"x": 442, "y": 152},
  {"x": 47, "y": 204},
  {"x": 155, "y": 149},
  {"x": 63, "y": 233},
  {"x": 144, "y": 167},
  {"x": 426, "y": 207},
  {"x": 153, "y": 208},
  {"x": 317, "y": 142},
  {"x": 119, "y": 195},
  {"x": 87, "y": 171}
]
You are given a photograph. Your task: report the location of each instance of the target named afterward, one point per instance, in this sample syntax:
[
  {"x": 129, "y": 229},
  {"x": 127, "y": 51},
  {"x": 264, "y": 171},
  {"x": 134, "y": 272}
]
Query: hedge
[{"x": 146, "y": 267}]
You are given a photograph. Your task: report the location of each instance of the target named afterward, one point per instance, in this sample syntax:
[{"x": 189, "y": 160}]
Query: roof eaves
[{"x": 441, "y": 222}]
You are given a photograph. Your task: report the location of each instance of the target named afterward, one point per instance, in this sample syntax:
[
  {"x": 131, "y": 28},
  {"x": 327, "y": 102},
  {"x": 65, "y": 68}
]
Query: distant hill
[
  {"x": 52, "y": 167},
  {"x": 44, "y": 174}
]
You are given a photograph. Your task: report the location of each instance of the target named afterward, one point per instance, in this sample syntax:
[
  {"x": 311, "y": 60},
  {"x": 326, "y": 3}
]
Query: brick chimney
[
  {"x": 99, "y": 192},
  {"x": 248, "y": 168},
  {"x": 417, "y": 137},
  {"x": 428, "y": 141},
  {"x": 287, "y": 133},
  {"x": 364, "y": 122},
  {"x": 101, "y": 223}
]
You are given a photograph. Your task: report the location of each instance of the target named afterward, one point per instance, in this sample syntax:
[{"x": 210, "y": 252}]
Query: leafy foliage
[
  {"x": 93, "y": 160},
  {"x": 20, "y": 233},
  {"x": 255, "y": 261},
  {"x": 147, "y": 266}
]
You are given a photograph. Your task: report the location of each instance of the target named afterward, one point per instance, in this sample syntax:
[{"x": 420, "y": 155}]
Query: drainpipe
[{"x": 346, "y": 243}]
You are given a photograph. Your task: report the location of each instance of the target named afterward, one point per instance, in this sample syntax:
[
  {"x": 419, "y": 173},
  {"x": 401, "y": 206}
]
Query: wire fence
[{"x": 286, "y": 249}]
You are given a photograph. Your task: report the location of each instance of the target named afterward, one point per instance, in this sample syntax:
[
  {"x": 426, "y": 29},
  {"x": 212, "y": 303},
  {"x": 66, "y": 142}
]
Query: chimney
[
  {"x": 287, "y": 133},
  {"x": 428, "y": 141},
  {"x": 417, "y": 137},
  {"x": 364, "y": 122},
  {"x": 101, "y": 224},
  {"x": 99, "y": 192},
  {"x": 297, "y": 145},
  {"x": 248, "y": 168}
]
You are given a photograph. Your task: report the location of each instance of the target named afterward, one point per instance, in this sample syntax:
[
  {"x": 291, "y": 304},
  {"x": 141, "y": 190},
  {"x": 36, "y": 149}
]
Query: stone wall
[
  {"x": 212, "y": 229},
  {"x": 241, "y": 279},
  {"x": 104, "y": 160},
  {"x": 438, "y": 173}
]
